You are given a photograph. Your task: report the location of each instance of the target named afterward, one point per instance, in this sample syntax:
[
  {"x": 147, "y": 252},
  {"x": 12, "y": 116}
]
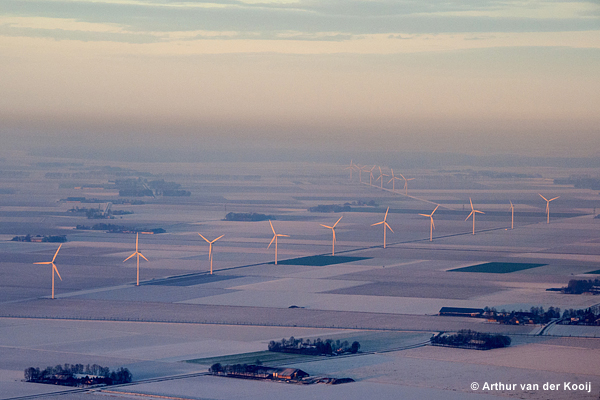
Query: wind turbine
[
  {"x": 385, "y": 225},
  {"x": 393, "y": 180},
  {"x": 512, "y": 219},
  {"x": 473, "y": 212},
  {"x": 275, "y": 236},
  {"x": 548, "y": 206},
  {"x": 351, "y": 167},
  {"x": 381, "y": 175},
  {"x": 54, "y": 269},
  {"x": 406, "y": 184},
  {"x": 138, "y": 254},
  {"x": 332, "y": 230},
  {"x": 361, "y": 169},
  {"x": 210, "y": 257},
  {"x": 432, "y": 226},
  {"x": 371, "y": 175}
]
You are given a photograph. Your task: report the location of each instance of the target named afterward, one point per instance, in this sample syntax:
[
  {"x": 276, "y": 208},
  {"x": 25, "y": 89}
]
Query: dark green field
[
  {"x": 497, "y": 267},
  {"x": 265, "y": 357},
  {"x": 596, "y": 272},
  {"x": 320, "y": 261}
]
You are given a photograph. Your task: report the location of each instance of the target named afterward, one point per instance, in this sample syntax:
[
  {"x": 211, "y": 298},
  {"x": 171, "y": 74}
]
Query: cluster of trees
[
  {"x": 535, "y": 315},
  {"x": 50, "y": 238},
  {"x": 330, "y": 208},
  {"x": 316, "y": 347},
  {"x": 588, "y": 316},
  {"x": 161, "y": 187},
  {"x": 78, "y": 374},
  {"x": 114, "y": 201},
  {"x": 97, "y": 213},
  {"x": 253, "y": 217},
  {"x": 469, "y": 339},
  {"x": 580, "y": 182},
  {"x": 370, "y": 203},
  {"x": 576, "y": 286},
  {"x": 112, "y": 228},
  {"x": 238, "y": 369}
]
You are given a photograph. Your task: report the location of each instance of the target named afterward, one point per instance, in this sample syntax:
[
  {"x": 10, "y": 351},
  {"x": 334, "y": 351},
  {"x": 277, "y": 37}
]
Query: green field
[
  {"x": 320, "y": 261},
  {"x": 266, "y": 357},
  {"x": 497, "y": 267}
]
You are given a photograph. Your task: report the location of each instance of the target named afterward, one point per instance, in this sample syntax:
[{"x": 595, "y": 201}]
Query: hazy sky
[{"x": 469, "y": 76}]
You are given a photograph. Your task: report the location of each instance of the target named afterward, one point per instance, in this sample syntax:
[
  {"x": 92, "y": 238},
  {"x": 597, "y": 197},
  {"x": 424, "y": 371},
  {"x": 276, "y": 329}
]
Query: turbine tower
[
  {"x": 393, "y": 180},
  {"x": 381, "y": 175},
  {"x": 275, "y": 236},
  {"x": 351, "y": 167},
  {"x": 548, "y": 206},
  {"x": 138, "y": 254},
  {"x": 54, "y": 269},
  {"x": 512, "y": 218},
  {"x": 332, "y": 230},
  {"x": 432, "y": 225},
  {"x": 406, "y": 184},
  {"x": 361, "y": 169},
  {"x": 385, "y": 225},
  {"x": 371, "y": 175},
  {"x": 473, "y": 212},
  {"x": 210, "y": 256}
]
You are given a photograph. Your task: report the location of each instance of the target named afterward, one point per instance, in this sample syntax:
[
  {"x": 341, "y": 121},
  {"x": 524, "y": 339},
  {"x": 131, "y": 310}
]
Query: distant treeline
[
  {"x": 535, "y": 315},
  {"x": 114, "y": 201},
  {"x": 468, "y": 339},
  {"x": 330, "y": 208},
  {"x": 248, "y": 217},
  {"x": 580, "y": 182},
  {"x": 316, "y": 347},
  {"x": 97, "y": 213},
  {"x": 111, "y": 228},
  {"x": 576, "y": 286},
  {"x": 40, "y": 238},
  {"x": 77, "y": 375}
]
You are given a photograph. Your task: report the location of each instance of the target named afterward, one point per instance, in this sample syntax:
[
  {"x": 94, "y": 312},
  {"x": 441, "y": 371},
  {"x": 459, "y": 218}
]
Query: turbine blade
[
  {"x": 378, "y": 223},
  {"x": 330, "y": 227},
  {"x": 469, "y": 216},
  {"x": 337, "y": 222},
  {"x": 386, "y": 213},
  {"x": 283, "y": 235},
  {"x": 56, "y": 269},
  {"x": 436, "y": 207},
  {"x": 55, "y": 254},
  {"x": 480, "y": 212},
  {"x": 471, "y": 201},
  {"x": 271, "y": 242},
  {"x": 45, "y": 262},
  {"x": 553, "y": 198},
  {"x": 432, "y": 223},
  {"x": 410, "y": 179},
  {"x": 204, "y": 238},
  {"x": 130, "y": 256},
  {"x": 273, "y": 229},
  {"x": 425, "y": 215},
  {"x": 543, "y": 197},
  {"x": 217, "y": 239},
  {"x": 386, "y": 224},
  {"x": 333, "y": 230},
  {"x": 141, "y": 255}
]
